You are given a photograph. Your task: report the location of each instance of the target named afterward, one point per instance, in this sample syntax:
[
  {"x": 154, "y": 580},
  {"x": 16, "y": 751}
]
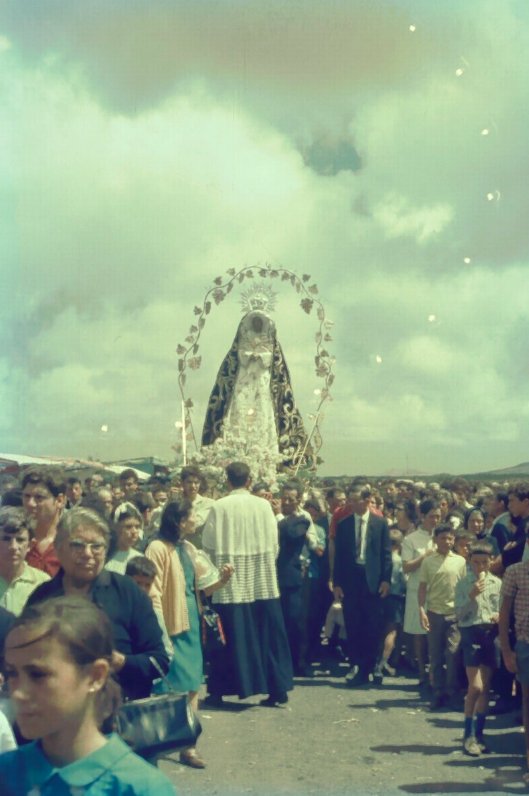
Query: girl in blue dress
[{"x": 57, "y": 661}]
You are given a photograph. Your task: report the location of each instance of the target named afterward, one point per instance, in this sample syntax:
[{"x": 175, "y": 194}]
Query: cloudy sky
[{"x": 380, "y": 146}]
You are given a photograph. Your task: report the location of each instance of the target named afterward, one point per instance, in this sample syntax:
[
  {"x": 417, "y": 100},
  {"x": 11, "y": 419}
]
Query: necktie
[{"x": 359, "y": 539}]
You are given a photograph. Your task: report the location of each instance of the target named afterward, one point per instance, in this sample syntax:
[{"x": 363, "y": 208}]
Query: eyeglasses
[{"x": 78, "y": 546}]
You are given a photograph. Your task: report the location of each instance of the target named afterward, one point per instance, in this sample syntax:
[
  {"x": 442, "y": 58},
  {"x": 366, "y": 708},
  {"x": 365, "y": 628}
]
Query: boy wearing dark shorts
[{"x": 477, "y": 602}]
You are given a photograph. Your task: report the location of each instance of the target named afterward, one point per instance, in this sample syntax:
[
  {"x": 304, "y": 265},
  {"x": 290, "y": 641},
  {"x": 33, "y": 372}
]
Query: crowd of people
[{"x": 105, "y": 582}]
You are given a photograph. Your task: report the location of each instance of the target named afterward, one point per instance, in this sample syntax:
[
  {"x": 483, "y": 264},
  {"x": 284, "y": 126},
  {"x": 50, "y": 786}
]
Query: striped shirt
[{"x": 515, "y": 585}]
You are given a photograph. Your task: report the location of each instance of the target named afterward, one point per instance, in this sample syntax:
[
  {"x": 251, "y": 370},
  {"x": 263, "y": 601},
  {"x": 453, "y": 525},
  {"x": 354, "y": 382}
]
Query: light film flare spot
[
  {"x": 317, "y": 392},
  {"x": 432, "y": 318},
  {"x": 378, "y": 359},
  {"x": 104, "y": 428},
  {"x": 485, "y": 131},
  {"x": 467, "y": 260},
  {"x": 460, "y": 72},
  {"x": 251, "y": 411},
  {"x": 490, "y": 196},
  {"x": 412, "y": 28}
]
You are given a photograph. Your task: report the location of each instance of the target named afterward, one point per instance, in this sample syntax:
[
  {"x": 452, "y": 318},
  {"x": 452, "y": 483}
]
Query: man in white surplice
[{"x": 242, "y": 529}]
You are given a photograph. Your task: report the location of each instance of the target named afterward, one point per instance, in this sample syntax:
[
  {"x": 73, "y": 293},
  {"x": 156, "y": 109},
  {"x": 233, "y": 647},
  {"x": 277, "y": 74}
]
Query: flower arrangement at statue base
[{"x": 265, "y": 464}]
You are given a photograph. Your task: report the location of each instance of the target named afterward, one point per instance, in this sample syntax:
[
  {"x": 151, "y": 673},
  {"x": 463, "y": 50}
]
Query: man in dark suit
[{"x": 361, "y": 580}]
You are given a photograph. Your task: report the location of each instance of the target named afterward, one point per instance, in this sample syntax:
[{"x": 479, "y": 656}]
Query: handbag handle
[{"x": 160, "y": 671}]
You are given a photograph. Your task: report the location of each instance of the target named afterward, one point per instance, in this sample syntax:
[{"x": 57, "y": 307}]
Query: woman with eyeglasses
[{"x": 81, "y": 543}]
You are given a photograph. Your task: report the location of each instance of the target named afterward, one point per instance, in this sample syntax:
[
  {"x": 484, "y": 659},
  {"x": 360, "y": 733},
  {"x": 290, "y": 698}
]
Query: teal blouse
[{"x": 113, "y": 770}]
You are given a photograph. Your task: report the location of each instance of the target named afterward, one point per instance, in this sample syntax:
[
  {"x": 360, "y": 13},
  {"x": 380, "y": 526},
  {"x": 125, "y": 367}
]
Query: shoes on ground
[
  {"x": 387, "y": 669},
  {"x": 377, "y": 676},
  {"x": 356, "y": 677},
  {"x": 484, "y": 748},
  {"x": 212, "y": 701},
  {"x": 274, "y": 700},
  {"x": 471, "y": 747},
  {"x": 190, "y": 757}
]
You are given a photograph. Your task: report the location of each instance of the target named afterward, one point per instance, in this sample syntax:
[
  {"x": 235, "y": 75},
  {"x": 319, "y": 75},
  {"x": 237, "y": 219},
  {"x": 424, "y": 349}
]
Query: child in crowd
[
  {"x": 129, "y": 530},
  {"x": 477, "y": 604},
  {"x": 334, "y": 628},
  {"x": 58, "y": 660},
  {"x": 439, "y": 575},
  {"x": 393, "y": 605},
  {"x": 143, "y": 572},
  {"x": 462, "y": 542}
]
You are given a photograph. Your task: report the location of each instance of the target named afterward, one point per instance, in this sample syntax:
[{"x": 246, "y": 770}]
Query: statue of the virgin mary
[{"x": 252, "y": 398}]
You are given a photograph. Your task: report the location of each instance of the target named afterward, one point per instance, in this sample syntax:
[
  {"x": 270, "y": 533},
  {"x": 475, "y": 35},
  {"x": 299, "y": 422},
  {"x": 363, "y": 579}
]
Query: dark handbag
[
  {"x": 158, "y": 724},
  {"x": 213, "y": 638}
]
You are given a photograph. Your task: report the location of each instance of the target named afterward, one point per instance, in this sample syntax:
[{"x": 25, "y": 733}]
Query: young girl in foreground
[{"x": 57, "y": 665}]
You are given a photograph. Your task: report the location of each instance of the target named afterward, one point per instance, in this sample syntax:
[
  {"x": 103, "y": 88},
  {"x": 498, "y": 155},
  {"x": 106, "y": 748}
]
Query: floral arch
[{"x": 213, "y": 458}]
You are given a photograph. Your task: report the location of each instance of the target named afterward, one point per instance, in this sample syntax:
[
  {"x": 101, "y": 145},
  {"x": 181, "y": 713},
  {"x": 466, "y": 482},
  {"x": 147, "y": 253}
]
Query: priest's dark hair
[{"x": 238, "y": 474}]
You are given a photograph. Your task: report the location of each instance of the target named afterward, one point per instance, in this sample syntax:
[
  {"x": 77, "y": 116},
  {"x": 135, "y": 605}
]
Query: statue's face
[
  {"x": 257, "y": 324},
  {"x": 256, "y": 328}
]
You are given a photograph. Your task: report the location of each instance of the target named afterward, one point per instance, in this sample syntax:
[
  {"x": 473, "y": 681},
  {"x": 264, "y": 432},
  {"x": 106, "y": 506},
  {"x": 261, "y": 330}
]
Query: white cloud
[
  {"x": 429, "y": 357},
  {"x": 398, "y": 218}
]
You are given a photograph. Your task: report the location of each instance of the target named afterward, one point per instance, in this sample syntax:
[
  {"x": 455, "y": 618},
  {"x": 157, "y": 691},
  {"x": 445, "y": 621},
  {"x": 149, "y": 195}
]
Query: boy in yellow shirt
[{"x": 439, "y": 575}]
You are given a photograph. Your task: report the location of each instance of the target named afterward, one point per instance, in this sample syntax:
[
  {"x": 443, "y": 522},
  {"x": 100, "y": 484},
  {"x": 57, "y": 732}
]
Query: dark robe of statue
[{"x": 252, "y": 397}]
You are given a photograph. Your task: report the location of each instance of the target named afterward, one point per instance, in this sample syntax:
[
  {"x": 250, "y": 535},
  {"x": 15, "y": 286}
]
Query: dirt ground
[{"x": 330, "y": 739}]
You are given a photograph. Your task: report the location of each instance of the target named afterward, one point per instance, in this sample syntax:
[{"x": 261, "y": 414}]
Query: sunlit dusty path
[{"x": 333, "y": 740}]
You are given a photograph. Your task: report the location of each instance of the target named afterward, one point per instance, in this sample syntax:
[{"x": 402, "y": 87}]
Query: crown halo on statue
[{"x": 258, "y": 297}]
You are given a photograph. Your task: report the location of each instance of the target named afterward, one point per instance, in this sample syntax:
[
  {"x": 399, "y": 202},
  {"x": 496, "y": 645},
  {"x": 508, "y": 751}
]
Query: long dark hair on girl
[{"x": 172, "y": 516}]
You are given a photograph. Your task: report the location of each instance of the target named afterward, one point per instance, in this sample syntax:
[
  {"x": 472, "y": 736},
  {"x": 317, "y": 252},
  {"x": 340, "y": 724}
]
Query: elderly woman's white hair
[{"x": 79, "y": 517}]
